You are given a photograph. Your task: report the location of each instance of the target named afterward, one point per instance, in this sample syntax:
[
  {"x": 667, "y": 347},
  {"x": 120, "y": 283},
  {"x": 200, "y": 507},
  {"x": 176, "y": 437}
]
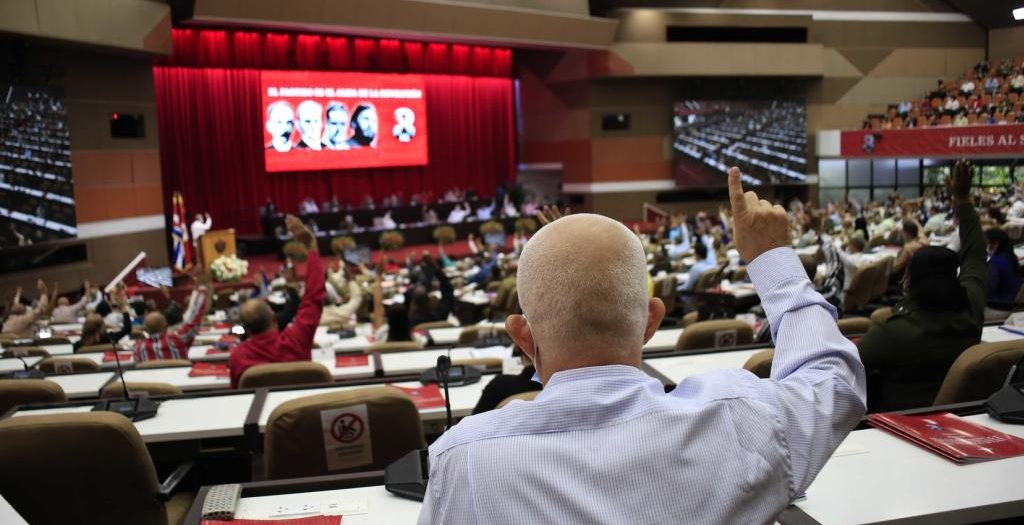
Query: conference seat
[
  {"x": 810, "y": 264},
  {"x": 979, "y": 372},
  {"x": 689, "y": 319},
  {"x": 860, "y": 290},
  {"x": 284, "y": 374},
  {"x": 760, "y": 364},
  {"x": 67, "y": 365},
  {"x": 881, "y": 315},
  {"x": 85, "y": 468},
  {"x": 162, "y": 363},
  {"x": 14, "y": 392},
  {"x": 433, "y": 325},
  {"x": 718, "y": 333},
  {"x": 854, "y": 325},
  {"x": 25, "y": 351},
  {"x": 114, "y": 390},
  {"x": 665, "y": 289},
  {"x": 740, "y": 274},
  {"x": 294, "y": 443},
  {"x": 94, "y": 349},
  {"x": 709, "y": 278},
  {"x": 471, "y": 334},
  {"x": 525, "y": 396},
  {"x": 883, "y": 270},
  {"x": 393, "y": 346}
]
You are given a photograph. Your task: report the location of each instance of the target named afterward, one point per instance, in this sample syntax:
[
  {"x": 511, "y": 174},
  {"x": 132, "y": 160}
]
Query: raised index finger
[{"x": 739, "y": 205}]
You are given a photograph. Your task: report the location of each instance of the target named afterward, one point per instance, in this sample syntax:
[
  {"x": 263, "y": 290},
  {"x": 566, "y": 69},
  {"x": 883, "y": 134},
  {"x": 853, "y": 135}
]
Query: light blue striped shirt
[{"x": 607, "y": 445}]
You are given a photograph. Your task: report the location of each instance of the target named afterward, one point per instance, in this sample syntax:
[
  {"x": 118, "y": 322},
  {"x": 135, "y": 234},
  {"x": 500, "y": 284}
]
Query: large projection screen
[{"x": 315, "y": 120}]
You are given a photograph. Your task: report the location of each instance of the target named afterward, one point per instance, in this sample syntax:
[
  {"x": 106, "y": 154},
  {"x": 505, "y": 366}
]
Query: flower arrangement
[
  {"x": 342, "y": 244},
  {"x": 229, "y": 268},
  {"x": 294, "y": 250},
  {"x": 444, "y": 234},
  {"x": 492, "y": 228},
  {"x": 526, "y": 225},
  {"x": 391, "y": 240}
]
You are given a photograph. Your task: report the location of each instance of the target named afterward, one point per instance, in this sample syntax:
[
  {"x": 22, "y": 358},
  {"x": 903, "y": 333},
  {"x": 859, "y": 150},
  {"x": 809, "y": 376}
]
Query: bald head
[
  {"x": 155, "y": 323},
  {"x": 582, "y": 284},
  {"x": 257, "y": 317}
]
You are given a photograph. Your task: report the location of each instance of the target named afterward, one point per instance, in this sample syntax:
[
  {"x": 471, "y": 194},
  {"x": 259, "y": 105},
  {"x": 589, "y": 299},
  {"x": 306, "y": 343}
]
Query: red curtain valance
[{"x": 259, "y": 50}]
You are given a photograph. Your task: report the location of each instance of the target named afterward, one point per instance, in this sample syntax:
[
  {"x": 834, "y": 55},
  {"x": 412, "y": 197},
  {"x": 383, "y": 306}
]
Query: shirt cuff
[{"x": 775, "y": 267}]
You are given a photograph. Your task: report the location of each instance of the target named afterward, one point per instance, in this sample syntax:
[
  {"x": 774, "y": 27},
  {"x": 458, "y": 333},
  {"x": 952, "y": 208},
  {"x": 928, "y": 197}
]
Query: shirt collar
[{"x": 573, "y": 375}]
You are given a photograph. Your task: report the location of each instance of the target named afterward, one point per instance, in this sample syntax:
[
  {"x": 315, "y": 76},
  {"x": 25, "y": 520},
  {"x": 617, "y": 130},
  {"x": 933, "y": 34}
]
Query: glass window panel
[
  {"x": 908, "y": 172},
  {"x": 936, "y": 175},
  {"x": 827, "y": 195},
  {"x": 832, "y": 173},
  {"x": 862, "y": 195},
  {"x": 995, "y": 175},
  {"x": 909, "y": 192},
  {"x": 859, "y": 172},
  {"x": 884, "y": 173}
]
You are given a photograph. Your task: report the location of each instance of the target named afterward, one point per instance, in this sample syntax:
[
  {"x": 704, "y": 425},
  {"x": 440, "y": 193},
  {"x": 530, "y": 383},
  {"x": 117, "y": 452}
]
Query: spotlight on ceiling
[{"x": 1018, "y": 14}]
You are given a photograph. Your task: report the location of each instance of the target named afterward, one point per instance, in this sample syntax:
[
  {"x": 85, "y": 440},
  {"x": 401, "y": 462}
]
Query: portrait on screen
[
  {"x": 405, "y": 128},
  {"x": 280, "y": 123},
  {"x": 317, "y": 120},
  {"x": 364, "y": 126},
  {"x": 336, "y": 128},
  {"x": 311, "y": 125}
]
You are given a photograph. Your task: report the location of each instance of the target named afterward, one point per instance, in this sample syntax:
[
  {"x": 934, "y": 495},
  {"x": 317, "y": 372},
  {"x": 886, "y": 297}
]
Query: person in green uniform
[{"x": 940, "y": 316}]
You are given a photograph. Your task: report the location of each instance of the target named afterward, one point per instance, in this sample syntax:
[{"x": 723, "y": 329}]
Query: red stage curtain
[{"x": 211, "y": 140}]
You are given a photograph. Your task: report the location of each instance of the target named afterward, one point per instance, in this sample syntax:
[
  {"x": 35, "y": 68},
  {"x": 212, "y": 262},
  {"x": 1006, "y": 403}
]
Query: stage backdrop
[{"x": 212, "y": 128}]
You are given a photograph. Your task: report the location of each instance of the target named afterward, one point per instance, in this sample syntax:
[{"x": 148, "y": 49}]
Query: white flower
[{"x": 229, "y": 268}]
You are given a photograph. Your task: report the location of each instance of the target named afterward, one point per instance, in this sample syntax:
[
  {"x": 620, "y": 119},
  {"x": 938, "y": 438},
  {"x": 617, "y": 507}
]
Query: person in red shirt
[
  {"x": 160, "y": 343},
  {"x": 267, "y": 344}
]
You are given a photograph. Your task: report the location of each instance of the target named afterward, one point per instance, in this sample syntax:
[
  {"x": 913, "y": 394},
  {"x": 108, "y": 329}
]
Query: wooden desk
[
  {"x": 674, "y": 370},
  {"x": 994, "y": 334},
  {"x": 895, "y": 482},
  {"x": 13, "y": 364},
  {"x": 663, "y": 340},
  {"x": 463, "y": 399},
  {"x": 182, "y": 419},
  {"x": 177, "y": 376},
  {"x": 77, "y": 386}
]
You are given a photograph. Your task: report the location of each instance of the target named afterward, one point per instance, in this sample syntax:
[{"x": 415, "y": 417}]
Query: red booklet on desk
[
  {"x": 209, "y": 369},
  {"x": 311, "y": 520},
  {"x": 428, "y": 396},
  {"x": 342, "y": 361},
  {"x": 950, "y": 436},
  {"x": 108, "y": 357}
]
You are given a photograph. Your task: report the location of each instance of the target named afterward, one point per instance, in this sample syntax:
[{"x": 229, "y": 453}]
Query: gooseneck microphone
[
  {"x": 444, "y": 365},
  {"x": 133, "y": 409},
  {"x": 28, "y": 372}
]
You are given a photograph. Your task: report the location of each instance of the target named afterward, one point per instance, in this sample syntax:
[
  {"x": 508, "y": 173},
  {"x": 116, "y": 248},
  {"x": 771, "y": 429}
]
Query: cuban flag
[{"x": 182, "y": 248}]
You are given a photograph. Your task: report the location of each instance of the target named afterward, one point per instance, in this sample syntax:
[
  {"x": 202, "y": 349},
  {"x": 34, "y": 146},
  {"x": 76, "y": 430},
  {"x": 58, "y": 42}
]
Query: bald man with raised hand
[
  {"x": 603, "y": 442},
  {"x": 266, "y": 343}
]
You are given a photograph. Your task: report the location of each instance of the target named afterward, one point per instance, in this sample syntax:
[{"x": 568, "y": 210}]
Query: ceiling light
[{"x": 1018, "y": 14}]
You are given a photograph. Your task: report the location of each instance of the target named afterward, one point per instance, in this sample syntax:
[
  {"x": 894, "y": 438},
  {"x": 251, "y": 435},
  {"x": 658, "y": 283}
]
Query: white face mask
[{"x": 536, "y": 359}]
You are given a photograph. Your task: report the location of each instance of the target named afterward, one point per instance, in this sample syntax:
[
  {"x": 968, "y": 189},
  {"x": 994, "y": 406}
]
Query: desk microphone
[
  {"x": 27, "y": 373},
  {"x": 444, "y": 365},
  {"x": 134, "y": 409}
]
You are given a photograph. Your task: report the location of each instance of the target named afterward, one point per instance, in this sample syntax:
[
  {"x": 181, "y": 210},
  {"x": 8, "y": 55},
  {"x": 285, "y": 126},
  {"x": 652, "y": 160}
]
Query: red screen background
[{"x": 352, "y": 90}]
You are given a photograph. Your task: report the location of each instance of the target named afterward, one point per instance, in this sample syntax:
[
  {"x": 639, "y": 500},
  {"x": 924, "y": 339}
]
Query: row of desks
[{"x": 872, "y": 477}]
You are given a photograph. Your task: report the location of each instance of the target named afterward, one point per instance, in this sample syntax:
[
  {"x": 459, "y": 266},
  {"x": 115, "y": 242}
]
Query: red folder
[
  {"x": 950, "y": 436},
  {"x": 217, "y": 351},
  {"x": 311, "y": 520},
  {"x": 226, "y": 338},
  {"x": 342, "y": 361},
  {"x": 108, "y": 357},
  {"x": 209, "y": 369},
  {"x": 428, "y": 396}
]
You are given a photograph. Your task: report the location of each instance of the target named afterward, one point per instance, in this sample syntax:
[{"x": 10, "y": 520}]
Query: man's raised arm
[{"x": 817, "y": 382}]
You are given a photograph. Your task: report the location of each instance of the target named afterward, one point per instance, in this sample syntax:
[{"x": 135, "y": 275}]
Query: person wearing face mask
[
  {"x": 907, "y": 357},
  {"x": 605, "y": 443},
  {"x": 1004, "y": 274}
]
